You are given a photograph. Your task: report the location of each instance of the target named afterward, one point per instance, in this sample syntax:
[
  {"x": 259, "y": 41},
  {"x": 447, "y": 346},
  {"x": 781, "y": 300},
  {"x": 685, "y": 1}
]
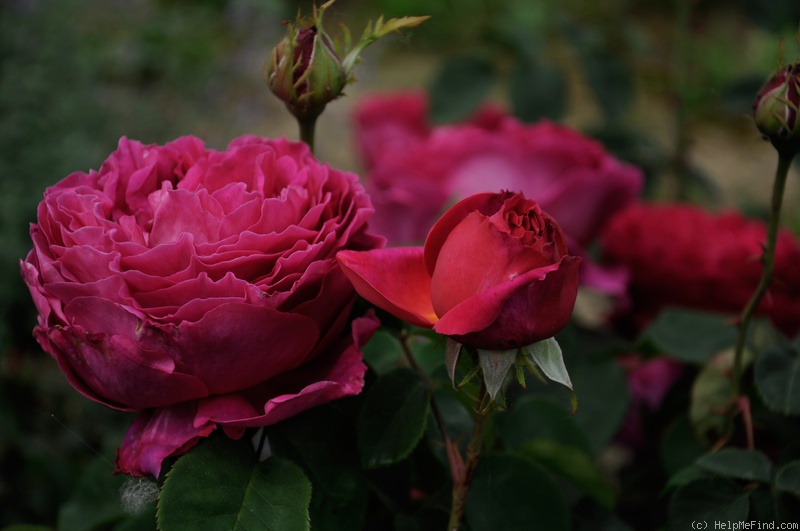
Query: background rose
[
  {"x": 415, "y": 170},
  {"x": 681, "y": 255},
  {"x": 649, "y": 381},
  {"x": 494, "y": 273},
  {"x": 200, "y": 287}
]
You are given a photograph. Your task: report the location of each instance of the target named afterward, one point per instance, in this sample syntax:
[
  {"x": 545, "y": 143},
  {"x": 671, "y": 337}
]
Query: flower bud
[
  {"x": 305, "y": 72},
  {"x": 776, "y": 109}
]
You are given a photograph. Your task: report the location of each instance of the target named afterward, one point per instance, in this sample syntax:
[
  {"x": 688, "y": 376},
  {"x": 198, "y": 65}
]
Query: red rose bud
[
  {"x": 494, "y": 274},
  {"x": 776, "y": 109},
  {"x": 304, "y": 70}
]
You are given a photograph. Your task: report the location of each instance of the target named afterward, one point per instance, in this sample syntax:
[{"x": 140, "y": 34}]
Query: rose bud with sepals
[{"x": 776, "y": 109}]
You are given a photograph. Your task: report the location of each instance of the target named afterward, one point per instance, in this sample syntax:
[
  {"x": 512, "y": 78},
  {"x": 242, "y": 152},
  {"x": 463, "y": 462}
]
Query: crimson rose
[
  {"x": 415, "y": 170},
  {"x": 681, "y": 255},
  {"x": 494, "y": 273},
  {"x": 201, "y": 287}
]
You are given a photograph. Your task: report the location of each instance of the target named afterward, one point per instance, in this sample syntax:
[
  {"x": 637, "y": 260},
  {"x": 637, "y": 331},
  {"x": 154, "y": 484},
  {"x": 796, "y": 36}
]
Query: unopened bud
[
  {"x": 777, "y": 107},
  {"x": 305, "y": 72}
]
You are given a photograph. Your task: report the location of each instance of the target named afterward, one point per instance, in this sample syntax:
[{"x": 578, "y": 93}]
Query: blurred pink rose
[
  {"x": 201, "y": 287},
  {"x": 494, "y": 273},
  {"x": 414, "y": 171},
  {"x": 649, "y": 380},
  {"x": 681, "y": 255}
]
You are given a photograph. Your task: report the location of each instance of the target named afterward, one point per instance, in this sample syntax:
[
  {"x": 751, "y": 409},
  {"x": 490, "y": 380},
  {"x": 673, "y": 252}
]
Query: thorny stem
[
  {"x": 462, "y": 471},
  {"x": 462, "y": 483},
  {"x": 768, "y": 261}
]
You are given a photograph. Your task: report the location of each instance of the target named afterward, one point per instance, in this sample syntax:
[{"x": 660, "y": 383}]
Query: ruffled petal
[{"x": 332, "y": 375}]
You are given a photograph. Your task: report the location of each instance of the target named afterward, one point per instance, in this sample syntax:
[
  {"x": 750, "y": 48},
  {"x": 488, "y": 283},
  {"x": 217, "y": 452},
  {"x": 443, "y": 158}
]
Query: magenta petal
[
  {"x": 393, "y": 279},
  {"x": 532, "y": 307},
  {"x": 142, "y": 372},
  {"x": 237, "y": 345},
  {"x": 156, "y": 435},
  {"x": 328, "y": 377}
]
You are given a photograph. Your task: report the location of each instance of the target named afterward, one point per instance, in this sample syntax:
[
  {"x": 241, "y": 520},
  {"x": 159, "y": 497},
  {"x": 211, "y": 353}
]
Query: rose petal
[
  {"x": 140, "y": 374},
  {"x": 532, "y": 307},
  {"x": 394, "y": 280},
  {"x": 474, "y": 258},
  {"x": 156, "y": 435},
  {"x": 237, "y": 345},
  {"x": 327, "y": 378},
  {"x": 487, "y": 204}
]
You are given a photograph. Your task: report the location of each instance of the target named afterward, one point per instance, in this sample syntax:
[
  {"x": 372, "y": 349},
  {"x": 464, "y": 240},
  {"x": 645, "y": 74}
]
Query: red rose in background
[
  {"x": 414, "y": 171},
  {"x": 201, "y": 287},
  {"x": 681, "y": 255},
  {"x": 494, "y": 273}
]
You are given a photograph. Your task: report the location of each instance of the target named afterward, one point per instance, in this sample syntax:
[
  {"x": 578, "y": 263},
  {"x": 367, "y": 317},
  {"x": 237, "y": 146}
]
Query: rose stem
[
  {"x": 307, "y": 126},
  {"x": 474, "y": 447},
  {"x": 768, "y": 261}
]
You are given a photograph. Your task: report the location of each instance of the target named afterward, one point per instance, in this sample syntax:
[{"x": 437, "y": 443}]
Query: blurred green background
[{"x": 665, "y": 84}]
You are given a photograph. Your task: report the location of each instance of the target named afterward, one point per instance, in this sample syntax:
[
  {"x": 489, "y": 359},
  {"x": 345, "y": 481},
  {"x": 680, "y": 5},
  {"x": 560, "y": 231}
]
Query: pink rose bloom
[
  {"x": 494, "y": 273},
  {"x": 201, "y": 288},
  {"x": 414, "y": 171},
  {"x": 681, "y": 255}
]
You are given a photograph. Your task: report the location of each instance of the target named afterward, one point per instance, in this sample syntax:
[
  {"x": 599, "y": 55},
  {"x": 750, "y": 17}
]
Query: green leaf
[
  {"x": 382, "y": 352},
  {"x": 495, "y": 365},
  {"x": 339, "y": 495},
  {"x": 220, "y": 484},
  {"x": 537, "y": 91},
  {"x": 511, "y": 493},
  {"x": 457, "y": 418},
  {"x": 598, "y": 381},
  {"x": 428, "y": 349},
  {"x": 738, "y": 463},
  {"x": 777, "y": 376},
  {"x": 788, "y": 478},
  {"x": 763, "y": 506},
  {"x": 534, "y": 417},
  {"x": 393, "y": 418},
  {"x": 679, "y": 447},
  {"x": 604, "y": 401},
  {"x": 96, "y": 500},
  {"x": 692, "y": 337},
  {"x": 710, "y": 500},
  {"x": 683, "y": 477},
  {"x": 573, "y": 464},
  {"x": 461, "y": 85}
]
